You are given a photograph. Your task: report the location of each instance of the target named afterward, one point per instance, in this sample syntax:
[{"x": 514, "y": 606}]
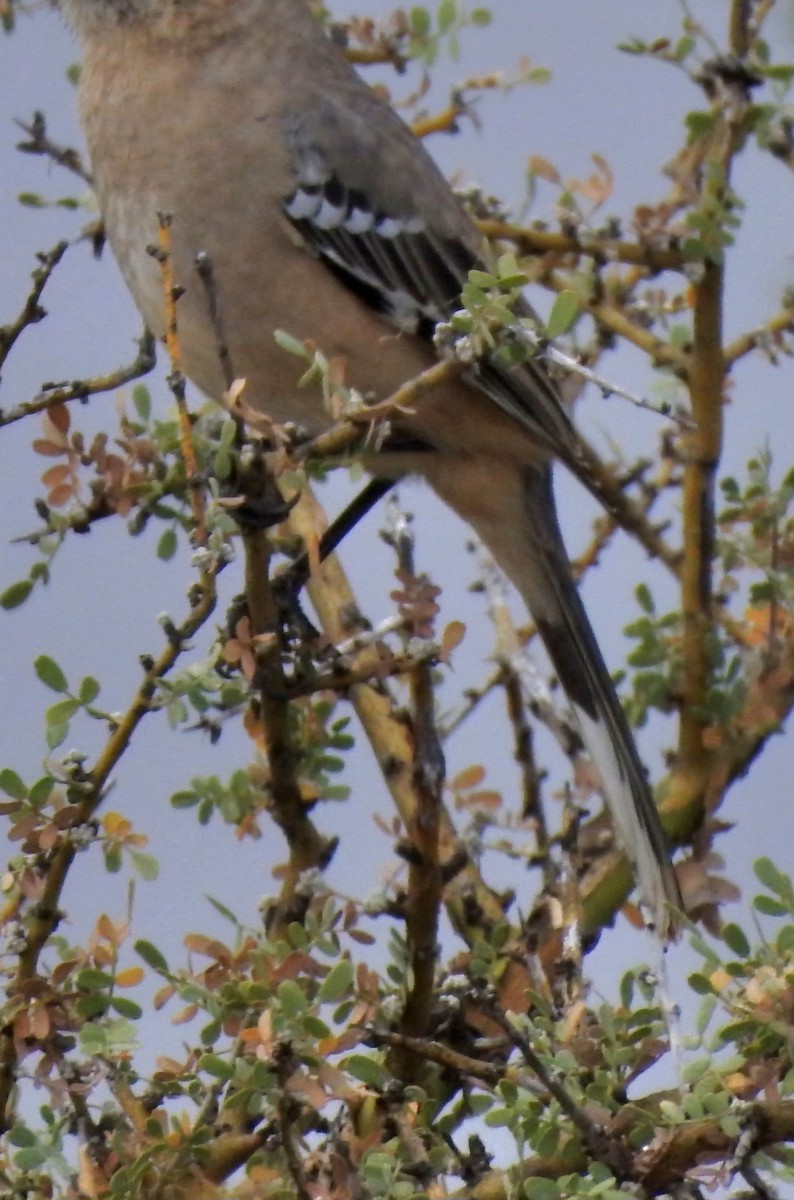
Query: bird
[{"x": 323, "y": 214}]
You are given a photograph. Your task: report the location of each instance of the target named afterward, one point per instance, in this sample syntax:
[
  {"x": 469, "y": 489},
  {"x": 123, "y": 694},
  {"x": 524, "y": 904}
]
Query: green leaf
[
  {"x": 152, "y": 956},
  {"x": 213, "y": 1064},
  {"x": 126, "y": 1008},
  {"x": 30, "y": 1159},
  {"x": 769, "y": 907},
  {"x": 16, "y": 594},
  {"x": 91, "y": 978},
  {"x": 32, "y": 200},
  {"x": 50, "y": 673},
  {"x": 540, "y": 1189},
  {"x": 93, "y": 1005},
  {"x": 20, "y": 1135},
  {"x": 142, "y": 401},
  {"x": 735, "y": 939},
  {"x": 167, "y": 545},
  {"x": 645, "y": 598},
  {"x": 564, "y": 312},
  {"x": 366, "y": 1069},
  {"x": 292, "y": 346},
  {"x": 291, "y": 997},
  {"x": 89, "y": 690},
  {"x": 701, "y": 984},
  {"x": 337, "y": 983},
  {"x": 62, "y": 712},
  {"x": 185, "y": 799},
  {"x": 767, "y": 873},
  {"x": 12, "y": 785},
  {"x": 146, "y": 865},
  {"x": 211, "y": 1032},
  {"x": 447, "y": 12},
  {"x": 420, "y": 21},
  {"x": 113, "y": 859},
  {"x": 56, "y": 735},
  {"x": 222, "y": 909},
  {"x": 93, "y": 1040}
]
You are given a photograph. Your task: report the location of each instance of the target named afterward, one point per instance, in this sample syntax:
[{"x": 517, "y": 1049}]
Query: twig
[
  {"x": 206, "y": 274},
  {"x": 602, "y": 1147},
  {"x": 654, "y": 259},
  {"x": 616, "y": 319},
  {"x": 607, "y": 389},
  {"x": 31, "y": 312},
  {"x": 307, "y": 848},
  {"x": 758, "y": 339},
  {"x": 440, "y": 1053},
  {"x": 508, "y": 648},
  {"x": 45, "y": 914},
  {"x": 81, "y": 389},
  {"x": 64, "y": 156},
  {"x": 176, "y": 379},
  {"x": 425, "y": 883},
  {"x": 334, "y": 603},
  {"x": 347, "y": 434}
]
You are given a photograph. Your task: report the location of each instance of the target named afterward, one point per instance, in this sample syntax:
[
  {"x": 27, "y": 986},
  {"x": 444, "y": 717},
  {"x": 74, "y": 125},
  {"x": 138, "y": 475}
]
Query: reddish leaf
[
  {"x": 50, "y": 449},
  {"x": 468, "y": 778},
  {"x": 55, "y": 475},
  {"x": 58, "y": 414}
]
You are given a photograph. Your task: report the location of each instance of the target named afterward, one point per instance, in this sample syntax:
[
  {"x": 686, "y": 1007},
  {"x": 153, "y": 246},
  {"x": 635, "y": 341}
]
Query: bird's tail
[
  {"x": 513, "y": 510},
  {"x": 551, "y": 593}
]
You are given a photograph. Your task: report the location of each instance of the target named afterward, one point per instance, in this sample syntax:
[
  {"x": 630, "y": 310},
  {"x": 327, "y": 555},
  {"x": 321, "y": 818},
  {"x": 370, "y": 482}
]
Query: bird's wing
[{"x": 405, "y": 246}]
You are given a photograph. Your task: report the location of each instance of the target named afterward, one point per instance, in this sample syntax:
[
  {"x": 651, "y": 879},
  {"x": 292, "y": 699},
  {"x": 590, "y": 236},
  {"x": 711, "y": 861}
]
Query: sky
[{"x": 100, "y": 610}]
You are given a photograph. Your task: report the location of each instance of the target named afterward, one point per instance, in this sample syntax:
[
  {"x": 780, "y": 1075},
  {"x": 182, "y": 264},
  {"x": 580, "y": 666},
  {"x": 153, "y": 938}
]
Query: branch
[
  {"x": 468, "y": 899},
  {"x": 286, "y": 804},
  {"x": 31, "y": 312},
  {"x": 81, "y": 389},
  {"x": 64, "y": 156},
  {"x": 662, "y": 1165},
  {"x": 423, "y": 828},
  {"x": 45, "y": 915},
  {"x": 602, "y": 250},
  {"x": 761, "y": 338}
]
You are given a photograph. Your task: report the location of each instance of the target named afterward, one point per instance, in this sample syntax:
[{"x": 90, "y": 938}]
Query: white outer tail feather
[{"x": 622, "y": 806}]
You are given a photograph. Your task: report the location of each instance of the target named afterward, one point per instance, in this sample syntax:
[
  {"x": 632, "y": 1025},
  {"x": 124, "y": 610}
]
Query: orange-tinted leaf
[
  {"x": 90, "y": 1179},
  {"x": 634, "y": 916},
  {"x": 109, "y": 930},
  {"x": 48, "y": 837},
  {"x": 308, "y": 1089},
  {"x": 131, "y": 977},
  {"x": 55, "y": 475},
  {"x": 163, "y": 995},
  {"x": 185, "y": 1014},
  {"x": 468, "y": 778},
  {"x": 48, "y": 449},
  {"x": 115, "y": 825},
  {"x": 168, "y": 1067},
  {"x": 209, "y": 947},
  {"x": 59, "y": 496},
  {"x": 58, "y": 415},
  {"x": 483, "y": 799},
  {"x": 543, "y": 169},
  {"x": 720, "y": 980},
  {"x": 40, "y": 1023},
  {"x": 363, "y": 939},
  {"x": 451, "y": 638}
]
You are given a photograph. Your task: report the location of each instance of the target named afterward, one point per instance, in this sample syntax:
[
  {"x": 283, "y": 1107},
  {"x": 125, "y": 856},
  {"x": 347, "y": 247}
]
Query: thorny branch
[
  {"x": 31, "y": 312},
  {"x": 88, "y": 791},
  {"x": 423, "y": 829}
]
